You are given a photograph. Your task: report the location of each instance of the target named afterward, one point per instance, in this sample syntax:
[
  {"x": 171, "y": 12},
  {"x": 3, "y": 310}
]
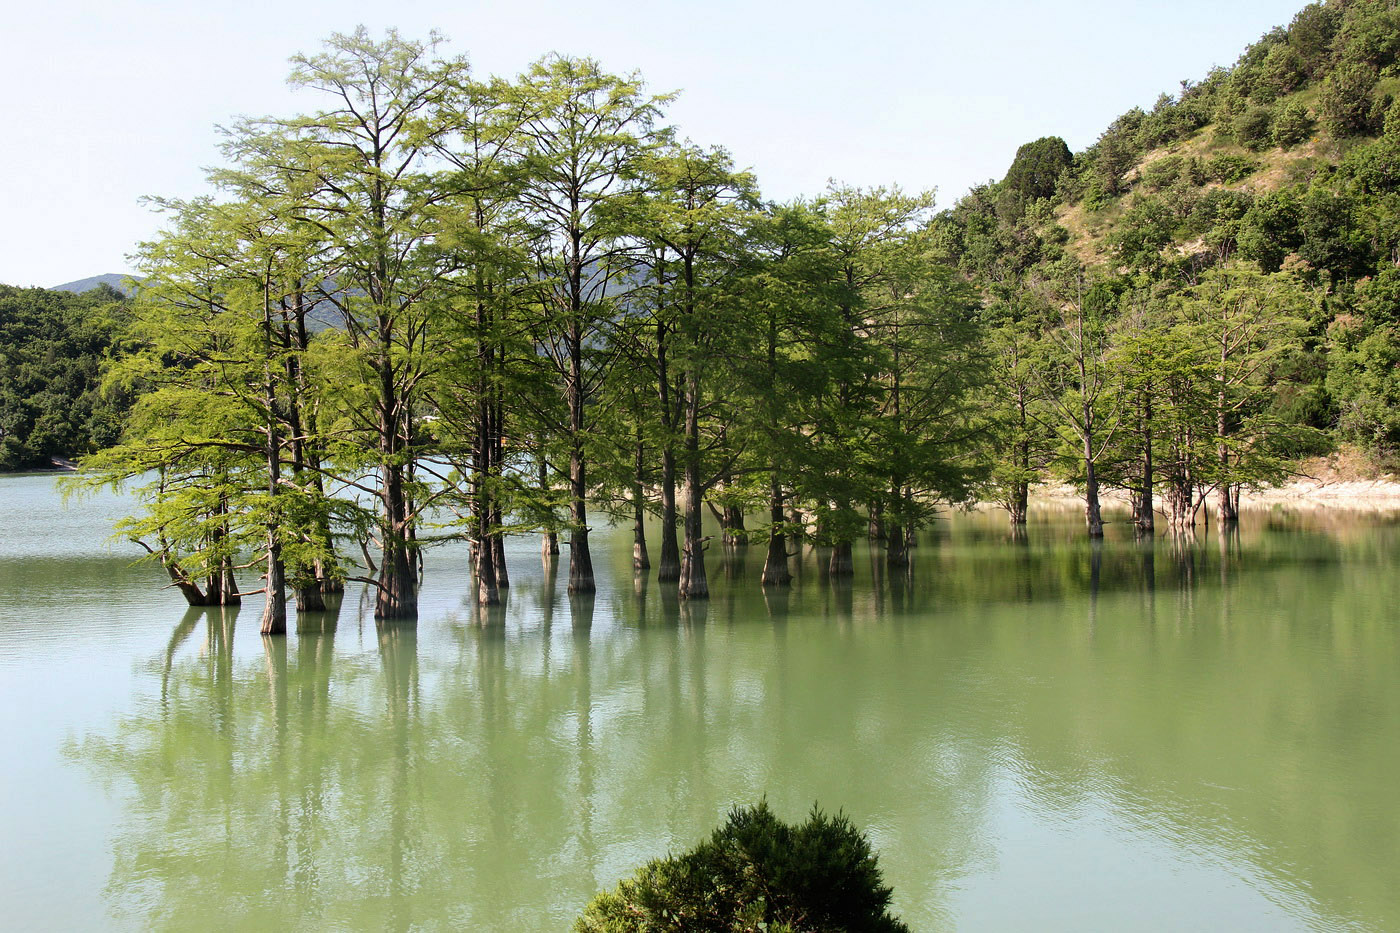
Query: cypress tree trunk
[
  {"x": 274, "y": 617},
  {"x": 397, "y": 596},
  {"x": 498, "y": 551},
  {"x": 1092, "y": 516},
  {"x": 483, "y": 455},
  {"x": 549, "y": 541},
  {"x": 640, "y": 559},
  {"x": 911, "y": 529},
  {"x": 775, "y": 565},
  {"x": 580, "y": 560},
  {"x": 1019, "y": 504},
  {"x": 497, "y": 450},
  {"x": 693, "y": 583},
  {"x": 310, "y": 598},
  {"x": 182, "y": 581},
  {"x": 668, "y": 569},
  {"x": 1144, "y": 517},
  {"x": 842, "y": 564},
  {"x": 228, "y": 585},
  {"x": 308, "y": 579},
  {"x": 484, "y": 559},
  {"x": 483, "y": 547},
  {"x": 732, "y": 518},
  {"x": 1227, "y": 504},
  {"x": 896, "y": 550},
  {"x": 1181, "y": 513},
  {"x": 1225, "y": 508}
]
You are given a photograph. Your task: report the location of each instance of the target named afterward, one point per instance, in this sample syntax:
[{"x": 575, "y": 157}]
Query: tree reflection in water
[{"x": 1208, "y": 699}]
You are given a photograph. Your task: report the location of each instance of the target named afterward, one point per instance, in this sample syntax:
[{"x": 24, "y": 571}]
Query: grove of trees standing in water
[{"x": 443, "y": 306}]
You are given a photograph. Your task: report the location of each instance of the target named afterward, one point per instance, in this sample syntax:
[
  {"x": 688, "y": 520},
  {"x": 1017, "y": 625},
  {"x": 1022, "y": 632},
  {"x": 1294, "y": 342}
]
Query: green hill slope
[{"x": 1286, "y": 164}]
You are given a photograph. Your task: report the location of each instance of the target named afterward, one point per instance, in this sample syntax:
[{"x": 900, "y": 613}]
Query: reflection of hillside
[
  {"x": 1244, "y": 730},
  {"x": 492, "y": 772}
]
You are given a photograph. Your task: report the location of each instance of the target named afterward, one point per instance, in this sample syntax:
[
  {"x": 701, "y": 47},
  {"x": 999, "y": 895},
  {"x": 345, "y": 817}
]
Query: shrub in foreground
[{"x": 756, "y": 874}]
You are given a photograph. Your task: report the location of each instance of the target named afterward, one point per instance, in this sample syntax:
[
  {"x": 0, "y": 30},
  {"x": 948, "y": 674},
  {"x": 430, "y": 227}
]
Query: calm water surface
[{"x": 1042, "y": 735}]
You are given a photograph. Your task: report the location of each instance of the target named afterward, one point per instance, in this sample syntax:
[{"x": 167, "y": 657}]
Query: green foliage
[
  {"x": 1282, "y": 71},
  {"x": 1228, "y": 168},
  {"x": 1269, "y": 230},
  {"x": 1333, "y": 238},
  {"x": 54, "y": 347},
  {"x": 1374, "y": 167},
  {"x": 1292, "y": 124},
  {"x": 1369, "y": 34},
  {"x": 755, "y": 873},
  {"x": 1311, "y": 34},
  {"x": 1364, "y": 372},
  {"x": 1253, "y": 128},
  {"x": 1347, "y": 105},
  {"x": 1035, "y": 172},
  {"x": 1164, "y": 172}
]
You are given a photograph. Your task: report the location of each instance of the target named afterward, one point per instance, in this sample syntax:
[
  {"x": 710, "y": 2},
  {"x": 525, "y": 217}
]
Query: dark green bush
[
  {"x": 1163, "y": 172},
  {"x": 1292, "y": 124},
  {"x": 1254, "y": 128},
  {"x": 1228, "y": 169},
  {"x": 756, "y": 873},
  {"x": 1347, "y": 102}
]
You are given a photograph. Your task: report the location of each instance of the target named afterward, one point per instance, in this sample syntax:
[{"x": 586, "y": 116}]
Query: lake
[{"x": 1037, "y": 735}]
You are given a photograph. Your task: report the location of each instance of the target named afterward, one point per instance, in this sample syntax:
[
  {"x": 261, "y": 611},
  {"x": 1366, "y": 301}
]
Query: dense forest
[
  {"x": 53, "y": 347},
  {"x": 444, "y": 306}
]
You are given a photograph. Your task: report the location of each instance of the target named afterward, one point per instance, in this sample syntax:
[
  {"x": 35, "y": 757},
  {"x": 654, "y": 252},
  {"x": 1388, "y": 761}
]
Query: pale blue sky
[{"x": 109, "y": 101}]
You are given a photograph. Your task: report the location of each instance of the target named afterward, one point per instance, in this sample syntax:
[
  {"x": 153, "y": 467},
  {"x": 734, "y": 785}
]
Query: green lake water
[{"x": 1042, "y": 735}]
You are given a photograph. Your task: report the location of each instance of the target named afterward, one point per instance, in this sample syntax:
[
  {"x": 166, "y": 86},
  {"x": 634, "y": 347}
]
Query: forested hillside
[
  {"x": 53, "y": 347},
  {"x": 1217, "y": 275}
]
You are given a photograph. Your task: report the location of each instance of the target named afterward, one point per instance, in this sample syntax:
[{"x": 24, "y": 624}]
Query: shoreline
[{"x": 1352, "y": 495}]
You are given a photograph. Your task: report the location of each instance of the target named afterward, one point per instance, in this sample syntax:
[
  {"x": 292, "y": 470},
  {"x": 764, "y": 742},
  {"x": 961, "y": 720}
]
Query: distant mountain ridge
[{"x": 115, "y": 279}]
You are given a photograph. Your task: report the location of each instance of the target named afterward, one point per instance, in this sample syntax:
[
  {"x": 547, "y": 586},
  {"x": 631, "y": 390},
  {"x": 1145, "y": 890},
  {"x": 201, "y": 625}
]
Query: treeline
[{"x": 53, "y": 347}]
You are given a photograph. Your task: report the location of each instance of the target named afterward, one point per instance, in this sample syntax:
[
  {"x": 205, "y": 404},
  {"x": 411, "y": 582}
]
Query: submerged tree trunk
[
  {"x": 1226, "y": 508},
  {"x": 641, "y": 560},
  {"x": 274, "y": 617},
  {"x": 397, "y": 596},
  {"x": 775, "y": 565},
  {"x": 693, "y": 583},
  {"x": 483, "y": 545},
  {"x": 1019, "y": 504},
  {"x": 1143, "y": 516},
  {"x": 549, "y": 540},
  {"x": 877, "y": 529},
  {"x": 1228, "y": 504},
  {"x": 1180, "y": 507},
  {"x": 1093, "y": 518},
  {"x": 484, "y": 569},
  {"x": 732, "y": 519},
  {"x": 841, "y": 564},
  {"x": 309, "y": 579},
  {"x": 580, "y": 559},
  {"x": 498, "y": 549},
  {"x": 668, "y": 569}
]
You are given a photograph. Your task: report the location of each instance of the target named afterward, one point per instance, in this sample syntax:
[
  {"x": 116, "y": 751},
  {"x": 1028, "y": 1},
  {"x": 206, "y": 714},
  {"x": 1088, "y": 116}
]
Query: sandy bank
[{"x": 1361, "y": 495}]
